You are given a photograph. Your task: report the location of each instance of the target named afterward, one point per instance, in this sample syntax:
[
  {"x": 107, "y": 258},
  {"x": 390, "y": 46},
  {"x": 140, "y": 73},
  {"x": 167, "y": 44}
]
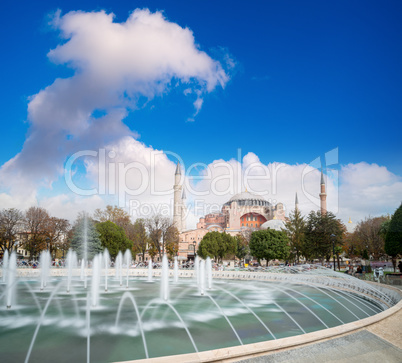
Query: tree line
[
  {"x": 317, "y": 236},
  {"x": 35, "y": 230}
]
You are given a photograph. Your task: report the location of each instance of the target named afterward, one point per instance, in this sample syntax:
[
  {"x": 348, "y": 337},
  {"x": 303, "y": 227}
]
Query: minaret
[
  {"x": 177, "y": 202},
  {"x": 183, "y": 211},
  {"x": 323, "y": 195},
  {"x": 296, "y": 203}
]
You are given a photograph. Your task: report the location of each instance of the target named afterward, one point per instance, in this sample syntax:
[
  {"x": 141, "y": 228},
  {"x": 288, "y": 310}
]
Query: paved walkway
[{"x": 377, "y": 343}]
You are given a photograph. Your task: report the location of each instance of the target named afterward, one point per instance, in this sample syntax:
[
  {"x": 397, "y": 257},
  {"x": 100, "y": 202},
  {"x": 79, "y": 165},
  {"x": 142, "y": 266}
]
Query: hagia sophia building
[{"x": 243, "y": 211}]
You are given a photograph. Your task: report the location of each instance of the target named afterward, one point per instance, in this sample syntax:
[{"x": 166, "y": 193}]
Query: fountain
[
  {"x": 165, "y": 279},
  {"x": 144, "y": 320},
  {"x": 71, "y": 265},
  {"x": 10, "y": 287},
  {"x": 127, "y": 258},
  {"x": 106, "y": 259},
  {"x": 149, "y": 271},
  {"x": 96, "y": 272},
  {"x": 45, "y": 262},
  {"x": 176, "y": 270},
  {"x": 119, "y": 268},
  {"x": 5, "y": 266}
]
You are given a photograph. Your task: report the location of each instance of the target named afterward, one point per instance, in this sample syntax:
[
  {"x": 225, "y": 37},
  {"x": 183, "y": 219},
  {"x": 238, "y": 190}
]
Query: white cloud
[
  {"x": 368, "y": 189},
  {"x": 67, "y": 206},
  {"x": 116, "y": 64}
]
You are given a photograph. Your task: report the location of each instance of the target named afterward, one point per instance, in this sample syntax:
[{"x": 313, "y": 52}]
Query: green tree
[
  {"x": 217, "y": 245},
  {"x": 114, "y": 214},
  {"x": 242, "y": 249},
  {"x": 152, "y": 252},
  {"x": 318, "y": 242},
  {"x": 370, "y": 234},
  {"x": 113, "y": 238},
  {"x": 209, "y": 245},
  {"x": 159, "y": 231},
  {"x": 10, "y": 224},
  {"x": 35, "y": 222},
  {"x": 393, "y": 239},
  {"x": 139, "y": 236},
  {"x": 56, "y": 230},
  {"x": 172, "y": 239},
  {"x": 269, "y": 244},
  {"x": 295, "y": 229},
  {"x": 84, "y": 226}
]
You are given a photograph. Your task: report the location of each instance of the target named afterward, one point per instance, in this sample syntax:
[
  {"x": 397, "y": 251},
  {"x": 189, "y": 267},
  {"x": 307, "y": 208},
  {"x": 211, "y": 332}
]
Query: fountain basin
[{"x": 269, "y": 310}]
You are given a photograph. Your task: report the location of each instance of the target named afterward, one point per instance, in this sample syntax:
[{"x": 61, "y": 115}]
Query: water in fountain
[
  {"x": 127, "y": 259},
  {"x": 196, "y": 269},
  {"x": 106, "y": 260},
  {"x": 10, "y": 288},
  {"x": 165, "y": 279},
  {"x": 71, "y": 265},
  {"x": 45, "y": 262},
  {"x": 85, "y": 238},
  {"x": 96, "y": 274},
  {"x": 5, "y": 266},
  {"x": 201, "y": 285},
  {"x": 83, "y": 273},
  {"x": 176, "y": 270},
  {"x": 119, "y": 268},
  {"x": 150, "y": 270},
  {"x": 208, "y": 267},
  {"x": 232, "y": 313}
]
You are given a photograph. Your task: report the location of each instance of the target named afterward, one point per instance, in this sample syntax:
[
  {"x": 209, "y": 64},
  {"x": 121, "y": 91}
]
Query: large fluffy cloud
[{"x": 115, "y": 64}]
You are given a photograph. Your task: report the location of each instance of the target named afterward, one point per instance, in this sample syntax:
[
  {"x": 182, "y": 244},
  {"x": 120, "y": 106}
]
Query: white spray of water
[
  {"x": 202, "y": 277},
  {"x": 197, "y": 269},
  {"x": 45, "y": 261},
  {"x": 12, "y": 269},
  {"x": 71, "y": 265},
  {"x": 150, "y": 271},
  {"x": 5, "y": 266},
  {"x": 165, "y": 279},
  {"x": 209, "y": 272},
  {"x": 119, "y": 267},
  {"x": 127, "y": 258},
  {"x": 176, "y": 270},
  {"x": 83, "y": 273},
  {"x": 85, "y": 239},
  {"x": 96, "y": 272},
  {"x": 106, "y": 259}
]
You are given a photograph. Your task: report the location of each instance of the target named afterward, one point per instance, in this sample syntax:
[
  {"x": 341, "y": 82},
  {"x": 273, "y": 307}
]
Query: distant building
[{"x": 241, "y": 212}]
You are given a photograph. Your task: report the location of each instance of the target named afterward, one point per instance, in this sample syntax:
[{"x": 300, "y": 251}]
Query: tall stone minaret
[
  {"x": 323, "y": 195},
  {"x": 183, "y": 211},
  {"x": 296, "y": 203},
  {"x": 177, "y": 202}
]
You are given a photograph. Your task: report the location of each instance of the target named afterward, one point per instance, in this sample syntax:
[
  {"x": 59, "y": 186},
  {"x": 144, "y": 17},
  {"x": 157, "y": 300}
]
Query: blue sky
[{"x": 303, "y": 78}]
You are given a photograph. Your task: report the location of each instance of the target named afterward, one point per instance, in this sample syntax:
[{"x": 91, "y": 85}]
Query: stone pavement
[
  {"x": 358, "y": 347},
  {"x": 377, "y": 343}
]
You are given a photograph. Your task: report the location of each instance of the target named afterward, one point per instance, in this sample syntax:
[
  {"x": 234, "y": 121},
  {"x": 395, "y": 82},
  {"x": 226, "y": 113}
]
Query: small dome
[{"x": 276, "y": 224}]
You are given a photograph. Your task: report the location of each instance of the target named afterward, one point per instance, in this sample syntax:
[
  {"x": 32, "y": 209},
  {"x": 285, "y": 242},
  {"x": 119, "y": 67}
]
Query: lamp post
[
  {"x": 47, "y": 242},
  {"x": 195, "y": 253},
  {"x": 333, "y": 247}
]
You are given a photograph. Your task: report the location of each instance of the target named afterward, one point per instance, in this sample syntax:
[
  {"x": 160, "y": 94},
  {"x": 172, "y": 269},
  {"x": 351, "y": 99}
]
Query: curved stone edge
[{"x": 257, "y": 349}]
